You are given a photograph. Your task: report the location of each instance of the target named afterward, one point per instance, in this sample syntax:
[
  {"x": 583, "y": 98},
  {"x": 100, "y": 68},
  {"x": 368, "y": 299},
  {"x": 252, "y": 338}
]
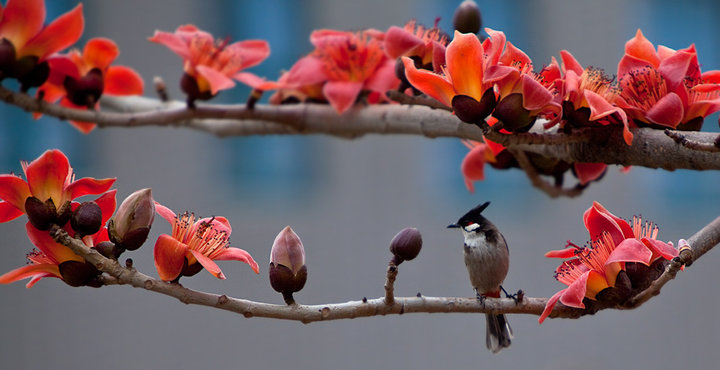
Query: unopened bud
[
  {"x": 131, "y": 224},
  {"x": 406, "y": 245},
  {"x": 76, "y": 273},
  {"x": 85, "y": 91},
  {"x": 41, "y": 214},
  {"x": 288, "y": 272},
  {"x": 514, "y": 116},
  {"x": 109, "y": 250},
  {"x": 470, "y": 110},
  {"x": 467, "y": 18},
  {"x": 87, "y": 218}
]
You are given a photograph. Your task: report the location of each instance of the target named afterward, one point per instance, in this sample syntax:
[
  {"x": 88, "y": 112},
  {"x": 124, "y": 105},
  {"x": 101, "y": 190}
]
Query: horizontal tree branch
[
  {"x": 651, "y": 148},
  {"x": 700, "y": 243}
]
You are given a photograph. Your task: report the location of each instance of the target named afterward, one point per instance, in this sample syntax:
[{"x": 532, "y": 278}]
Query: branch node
[
  {"x": 325, "y": 312},
  {"x": 149, "y": 284},
  {"x": 223, "y": 299}
]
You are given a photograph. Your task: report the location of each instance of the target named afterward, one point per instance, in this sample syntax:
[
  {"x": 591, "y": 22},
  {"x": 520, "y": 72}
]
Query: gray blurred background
[{"x": 346, "y": 200}]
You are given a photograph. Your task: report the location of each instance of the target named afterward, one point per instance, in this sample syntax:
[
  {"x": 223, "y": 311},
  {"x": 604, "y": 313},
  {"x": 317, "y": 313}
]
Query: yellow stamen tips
[
  {"x": 351, "y": 59},
  {"x": 595, "y": 80},
  {"x": 646, "y": 230},
  {"x": 181, "y": 226},
  {"x": 643, "y": 88},
  {"x": 568, "y": 272}
]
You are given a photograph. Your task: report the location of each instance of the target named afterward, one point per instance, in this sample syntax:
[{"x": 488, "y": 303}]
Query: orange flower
[
  {"x": 51, "y": 185},
  {"x": 195, "y": 244},
  {"x": 80, "y": 79},
  {"x": 666, "y": 87},
  {"x": 211, "y": 65},
  {"x": 26, "y": 42},
  {"x": 425, "y": 44},
  {"x": 342, "y": 65},
  {"x": 614, "y": 242}
]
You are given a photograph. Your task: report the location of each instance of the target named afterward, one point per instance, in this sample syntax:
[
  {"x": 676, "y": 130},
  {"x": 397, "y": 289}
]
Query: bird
[{"x": 487, "y": 261}]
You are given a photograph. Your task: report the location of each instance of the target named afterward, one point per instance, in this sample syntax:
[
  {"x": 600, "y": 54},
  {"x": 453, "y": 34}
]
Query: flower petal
[
  {"x": 237, "y": 254},
  {"x": 384, "y": 78},
  {"x": 100, "y": 52},
  {"x": 46, "y": 176},
  {"x": 208, "y": 264},
  {"x": 668, "y": 111},
  {"x": 630, "y": 250},
  {"x": 601, "y": 108},
  {"x": 550, "y": 305},
  {"x": 587, "y": 172},
  {"x": 14, "y": 191},
  {"x": 89, "y": 185},
  {"x": 473, "y": 166},
  {"x": 641, "y": 48},
  {"x": 535, "y": 95},
  {"x": 598, "y": 219},
  {"x": 464, "y": 57},
  {"x": 55, "y": 251},
  {"x": 677, "y": 67},
  {"x": 121, "y": 80},
  {"x": 107, "y": 204},
  {"x": 561, "y": 253},
  {"x": 21, "y": 20},
  {"x": 255, "y": 82},
  {"x": 252, "y": 52},
  {"x": 398, "y": 42},
  {"x": 9, "y": 212},
  {"x": 30, "y": 271},
  {"x": 165, "y": 213},
  {"x": 173, "y": 42},
  {"x": 569, "y": 63},
  {"x": 429, "y": 83},
  {"x": 217, "y": 80},
  {"x": 169, "y": 256},
  {"x": 660, "y": 249},
  {"x": 64, "y": 31},
  {"x": 575, "y": 292},
  {"x": 308, "y": 70},
  {"x": 342, "y": 94}
]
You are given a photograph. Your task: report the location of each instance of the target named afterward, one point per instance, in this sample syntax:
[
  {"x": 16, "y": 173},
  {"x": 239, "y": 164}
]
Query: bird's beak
[{"x": 453, "y": 226}]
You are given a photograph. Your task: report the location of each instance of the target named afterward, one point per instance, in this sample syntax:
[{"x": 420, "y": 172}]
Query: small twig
[
  {"x": 161, "y": 89},
  {"x": 538, "y": 182},
  {"x": 683, "y": 140},
  {"x": 392, "y": 272},
  {"x": 424, "y": 100}
]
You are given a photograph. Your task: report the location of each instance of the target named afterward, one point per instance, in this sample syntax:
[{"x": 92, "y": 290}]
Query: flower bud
[
  {"x": 85, "y": 91},
  {"x": 41, "y": 214},
  {"x": 87, "y": 218},
  {"x": 467, "y": 18},
  {"x": 109, "y": 250},
  {"x": 76, "y": 273},
  {"x": 470, "y": 110},
  {"x": 288, "y": 272},
  {"x": 131, "y": 224},
  {"x": 514, "y": 116},
  {"x": 406, "y": 245}
]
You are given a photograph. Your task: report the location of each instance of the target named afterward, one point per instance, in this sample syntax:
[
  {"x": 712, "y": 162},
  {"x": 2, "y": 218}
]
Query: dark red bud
[
  {"x": 467, "y": 18},
  {"x": 7, "y": 58},
  {"x": 35, "y": 77},
  {"x": 284, "y": 281},
  {"x": 514, "y": 117},
  {"x": 41, "y": 214},
  {"x": 86, "y": 91},
  {"x": 76, "y": 273},
  {"x": 470, "y": 110},
  {"x": 87, "y": 218},
  {"x": 109, "y": 250},
  {"x": 406, "y": 245}
]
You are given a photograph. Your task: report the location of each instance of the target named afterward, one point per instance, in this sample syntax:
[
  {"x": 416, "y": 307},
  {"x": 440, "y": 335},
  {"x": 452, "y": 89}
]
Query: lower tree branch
[{"x": 700, "y": 243}]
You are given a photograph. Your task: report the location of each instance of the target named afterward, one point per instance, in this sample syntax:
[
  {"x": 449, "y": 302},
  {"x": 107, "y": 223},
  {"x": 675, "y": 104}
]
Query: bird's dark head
[{"x": 473, "y": 220}]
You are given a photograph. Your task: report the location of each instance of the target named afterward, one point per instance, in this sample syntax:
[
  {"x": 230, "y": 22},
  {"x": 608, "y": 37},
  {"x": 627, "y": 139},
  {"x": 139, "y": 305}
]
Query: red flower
[
  {"x": 26, "y": 42},
  {"x": 212, "y": 65},
  {"x": 52, "y": 259},
  {"x": 50, "y": 180},
  {"x": 342, "y": 65},
  {"x": 81, "y": 79},
  {"x": 195, "y": 244},
  {"x": 593, "y": 268},
  {"x": 426, "y": 44},
  {"x": 590, "y": 96},
  {"x": 666, "y": 87}
]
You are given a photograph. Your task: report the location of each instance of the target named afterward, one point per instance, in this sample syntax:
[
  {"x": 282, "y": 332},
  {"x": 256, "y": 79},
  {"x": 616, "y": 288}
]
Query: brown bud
[
  {"x": 87, "y": 218},
  {"x": 406, "y": 245},
  {"x": 85, "y": 91},
  {"x": 467, "y": 18},
  {"x": 131, "y": 224},
  {"x": 190, "y": 87},
  {"x": 109, "y": 250},
  {"x": 41, "y": 214},
  {"x": 470, "y": 110},
  {"x": 514, "y": 116},
  {"x": 288, "y": 272},
  {"x": 76, "y": 273}
]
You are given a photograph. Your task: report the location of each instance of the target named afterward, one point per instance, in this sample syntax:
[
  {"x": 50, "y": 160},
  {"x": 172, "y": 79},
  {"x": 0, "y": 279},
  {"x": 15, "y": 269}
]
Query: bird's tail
[{"x": 498, "y": 334}]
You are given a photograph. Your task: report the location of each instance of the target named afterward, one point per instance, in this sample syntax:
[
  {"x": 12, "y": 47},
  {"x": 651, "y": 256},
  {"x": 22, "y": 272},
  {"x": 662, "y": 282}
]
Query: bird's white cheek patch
[{"x": 471, "y": 227}]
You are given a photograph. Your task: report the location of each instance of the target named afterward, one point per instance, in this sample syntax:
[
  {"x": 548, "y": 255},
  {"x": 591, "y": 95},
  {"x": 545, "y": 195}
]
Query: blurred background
[{"x": 346, "y": 200}]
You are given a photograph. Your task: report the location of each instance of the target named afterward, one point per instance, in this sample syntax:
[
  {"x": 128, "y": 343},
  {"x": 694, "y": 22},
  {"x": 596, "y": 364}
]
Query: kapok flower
[
  {"x": 49, "y": 188},
  {"x": 342, "y": 65},
  {"x": 52, "y": 259},
  {"x": 614, "y": 243},
  {"x": 589, "y": 96},
  {"x": 666, "y": 87},
  {"x": 78, "y": 80},
  {"x": 26, "y": 42},
  {"x": 195, "y": 244},
  {"x": 427, "y": 45},
  {"x": 211, "y": 65}
]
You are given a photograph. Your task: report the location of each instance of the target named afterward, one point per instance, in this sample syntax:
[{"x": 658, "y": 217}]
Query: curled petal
[
  {"x": 464, "y": 57},
  {"x": 677, "y": 67},
  {"x": 14, "y": 191},
  {"x": 165, "y": 213},
  {"x": 169, "y": 256},
  {"x": 88, "y": 185},
  {"x": 30, "y": 271},
  {"x": 121, "y": 80},
  {"x": 429, "y": 83},
  {"x": 208, "y": 264},
  {"x": 550, "y": 305},
  {"x": 668, "y": 111},
  {"x": 561, "y": 253},
  {"x": 598, "y": 219},
  {"x": 575, "y": 292},
  {"x": 398, "y": 42},
  {"x": 237, "y": 254},
  {"x": 58, "y": 35},
  {"x": 600, "y": 108},
  {"x": 535, "y": 95},
  {"x": 569, "y": 63},
  {"x": 662, "y": 249},
  {"x": 630, "y": 250},
  {"x": 342, "y": 94}
]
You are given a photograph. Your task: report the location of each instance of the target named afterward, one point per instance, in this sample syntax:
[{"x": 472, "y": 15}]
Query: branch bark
[{"x": 651, "y": 148}]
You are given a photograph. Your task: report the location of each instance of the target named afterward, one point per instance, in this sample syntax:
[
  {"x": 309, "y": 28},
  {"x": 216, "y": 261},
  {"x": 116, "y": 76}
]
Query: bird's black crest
[{"x": 473, "y": 215}]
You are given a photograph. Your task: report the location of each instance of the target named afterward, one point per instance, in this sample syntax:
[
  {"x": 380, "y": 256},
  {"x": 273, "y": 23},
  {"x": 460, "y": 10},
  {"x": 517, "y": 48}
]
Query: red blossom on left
[
  {"x": 25, "y": 42},
  {"x": 48, "y": 191},
  {"x": 78, "y": 79}
]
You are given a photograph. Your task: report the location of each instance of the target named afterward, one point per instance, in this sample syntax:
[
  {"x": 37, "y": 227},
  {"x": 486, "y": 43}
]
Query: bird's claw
[{"x": 517, "y": 297}]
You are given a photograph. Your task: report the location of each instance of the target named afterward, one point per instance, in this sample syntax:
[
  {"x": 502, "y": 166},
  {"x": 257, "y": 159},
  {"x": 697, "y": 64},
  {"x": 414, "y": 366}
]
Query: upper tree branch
[{"x": 651, "y": 148}]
